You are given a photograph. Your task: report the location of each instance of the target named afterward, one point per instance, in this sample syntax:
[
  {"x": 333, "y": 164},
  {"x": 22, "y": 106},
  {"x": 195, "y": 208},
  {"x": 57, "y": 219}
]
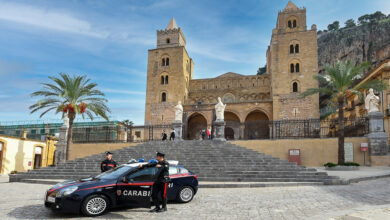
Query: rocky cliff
[{"x": 368, "y": 42}]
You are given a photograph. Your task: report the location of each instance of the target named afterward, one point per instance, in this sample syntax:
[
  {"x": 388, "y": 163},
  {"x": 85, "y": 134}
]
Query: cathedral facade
[{"x": 252, "y": 100}]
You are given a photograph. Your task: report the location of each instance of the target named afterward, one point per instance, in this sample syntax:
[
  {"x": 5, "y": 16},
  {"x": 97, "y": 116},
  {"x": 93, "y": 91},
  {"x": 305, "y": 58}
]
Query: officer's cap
[
  {"x": 159, "y": 154},
  {"x": 108, "y": 153}
]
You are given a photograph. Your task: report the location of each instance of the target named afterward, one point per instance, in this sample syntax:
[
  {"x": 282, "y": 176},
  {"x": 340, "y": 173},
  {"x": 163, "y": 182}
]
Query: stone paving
[{"x": 23, "y": 200}]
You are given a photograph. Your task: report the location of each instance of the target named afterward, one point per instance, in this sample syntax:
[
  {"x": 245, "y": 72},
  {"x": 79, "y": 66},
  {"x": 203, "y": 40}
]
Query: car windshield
[{"x": 114, "y": 173}]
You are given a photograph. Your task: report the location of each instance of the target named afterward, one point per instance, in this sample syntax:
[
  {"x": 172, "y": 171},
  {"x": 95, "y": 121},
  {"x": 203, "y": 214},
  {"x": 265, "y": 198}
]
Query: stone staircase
[{"x": 210, "y": 160}]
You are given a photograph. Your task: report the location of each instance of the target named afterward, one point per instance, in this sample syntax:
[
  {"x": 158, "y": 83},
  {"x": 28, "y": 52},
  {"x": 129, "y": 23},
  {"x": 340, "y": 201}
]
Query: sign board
[
  {"x": 348, "y": 152},
  {"x": 364, "y": 147},
  {"x": 294, "y": 156}
]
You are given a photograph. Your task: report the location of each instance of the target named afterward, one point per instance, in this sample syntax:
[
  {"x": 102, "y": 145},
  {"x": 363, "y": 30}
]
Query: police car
[{"x": 126, "y": 185}]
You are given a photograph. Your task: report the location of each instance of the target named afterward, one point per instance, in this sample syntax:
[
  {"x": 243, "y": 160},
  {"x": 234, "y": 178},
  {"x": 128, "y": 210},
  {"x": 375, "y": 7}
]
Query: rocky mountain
[{"x": 366, "y": 42}]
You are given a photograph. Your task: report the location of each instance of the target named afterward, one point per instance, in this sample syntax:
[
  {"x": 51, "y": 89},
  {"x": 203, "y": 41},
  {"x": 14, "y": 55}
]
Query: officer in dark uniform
[
  {"x": 160, "y": 185},
  {"x": 108, "y": 163}
]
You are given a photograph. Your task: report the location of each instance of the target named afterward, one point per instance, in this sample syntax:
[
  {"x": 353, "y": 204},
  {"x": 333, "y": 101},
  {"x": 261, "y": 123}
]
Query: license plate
[{"x": 51, "y": 199}]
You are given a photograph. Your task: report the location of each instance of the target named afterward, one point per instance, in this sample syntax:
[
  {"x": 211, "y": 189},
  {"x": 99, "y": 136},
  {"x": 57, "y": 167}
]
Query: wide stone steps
[{"x": 210, "y": 160}]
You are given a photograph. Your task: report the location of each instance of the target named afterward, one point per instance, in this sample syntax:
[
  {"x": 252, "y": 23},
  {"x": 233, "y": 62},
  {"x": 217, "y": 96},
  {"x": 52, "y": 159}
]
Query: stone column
[
  {"x": 377, "y": 138},
  {"x": 219, "y": 126},
  {"x": 178, "y": 126},
  {"x": 60, "y": 155}
]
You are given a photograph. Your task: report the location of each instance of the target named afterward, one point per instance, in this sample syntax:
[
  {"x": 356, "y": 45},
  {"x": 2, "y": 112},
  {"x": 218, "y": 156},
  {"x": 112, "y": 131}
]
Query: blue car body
[{"x": 127, "y": 185}]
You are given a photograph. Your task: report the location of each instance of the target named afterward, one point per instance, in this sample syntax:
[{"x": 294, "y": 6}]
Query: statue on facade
[
  {"x": 178, "y": 112},
  {"x": 219, "y": 110},
  {"x": 371, "y": 101}
]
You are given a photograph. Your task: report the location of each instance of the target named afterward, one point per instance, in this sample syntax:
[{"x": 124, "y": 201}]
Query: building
[
  {"x": 252, "y": 100},
  {"x": 19, "y": 154}
]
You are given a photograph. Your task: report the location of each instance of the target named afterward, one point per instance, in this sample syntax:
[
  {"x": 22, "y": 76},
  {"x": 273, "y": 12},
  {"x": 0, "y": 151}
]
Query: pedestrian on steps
[
  {"x": 172, "y": 136},
  {"x": 108, "y": 163},
  {"x": 164, "y": 136},
  {"x": 209, "y": 133}
]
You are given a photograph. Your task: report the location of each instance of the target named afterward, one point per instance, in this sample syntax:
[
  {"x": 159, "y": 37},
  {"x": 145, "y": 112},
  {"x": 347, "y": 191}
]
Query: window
[
  {"x": 162, "y": 80},
  {"x": 52, "y": 131},
  {"x": 167, "y": 61},
  {"x": 294, "y": 23},
  {"x": 168, "y": 40},
  {"x": 291, "y": 48},
  {"x": 172, "y": 170},
  {"x": 296, "y": 48},
  {"x": 297, "y": 68},
  {"x": 33, "y": 131},
  {"x": 291, "y": 68},
  {"x": 146, "y": 174},
  {"x": 289, "y": 24},
  {"x": 166, "y": 79},
  {"x": 42, "y": 131},
  {"x": 163, "y": 97},
  {"x": 182, "y": 170},
  {"x": 163, "y": 62},
  {"x": 138, "y": 134},
  {"x": 295, "y": 87}
]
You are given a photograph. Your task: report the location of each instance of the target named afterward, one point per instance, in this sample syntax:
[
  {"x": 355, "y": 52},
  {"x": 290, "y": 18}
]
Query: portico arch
[
  {"x": 196, "y": 123},
  {"x": 256, "y": 125},
  {"x": 232, "y": 127}
]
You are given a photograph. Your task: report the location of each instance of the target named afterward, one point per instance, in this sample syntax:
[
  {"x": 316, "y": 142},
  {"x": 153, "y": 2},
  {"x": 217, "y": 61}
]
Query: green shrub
[{"x": 330, "y": 164}]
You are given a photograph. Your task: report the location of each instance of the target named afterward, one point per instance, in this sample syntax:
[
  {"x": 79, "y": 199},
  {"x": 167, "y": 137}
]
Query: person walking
[
  {"x": 172, "y": 136},
  {"x": 160, "y": 185},
  {"x": 108, "y": 163},
  {"x": 209, "y": 133},
  {"x": 203, "y": 134},
  {"x": 164, "y": 136}
]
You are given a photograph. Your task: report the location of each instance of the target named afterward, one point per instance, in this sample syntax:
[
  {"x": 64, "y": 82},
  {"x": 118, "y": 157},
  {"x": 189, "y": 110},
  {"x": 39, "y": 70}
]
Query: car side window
[
  {"x": 183, "y": 170},
  {"x": 143, "y": 175},
  {"x": 172, "y": 170}
]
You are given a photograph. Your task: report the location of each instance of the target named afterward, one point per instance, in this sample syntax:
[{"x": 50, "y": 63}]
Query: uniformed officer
[
  {"x": 108, "y": 163},
  {"x": 161, "y": 182}
]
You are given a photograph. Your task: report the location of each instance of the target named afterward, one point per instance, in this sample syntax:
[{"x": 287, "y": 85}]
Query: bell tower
[
  {"x": 169, "y": 70},
  {"x": 292, "y": 60}
]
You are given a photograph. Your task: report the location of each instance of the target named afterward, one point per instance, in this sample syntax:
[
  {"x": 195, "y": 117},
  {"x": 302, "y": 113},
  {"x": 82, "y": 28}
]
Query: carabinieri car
[{"x": 126, "y": 185}]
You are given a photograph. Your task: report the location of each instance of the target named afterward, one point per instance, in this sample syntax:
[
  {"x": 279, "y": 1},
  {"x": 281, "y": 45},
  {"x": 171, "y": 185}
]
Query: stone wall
[
  {"x": 314, "y": 152},
  {"x": 83, "y": 150}
]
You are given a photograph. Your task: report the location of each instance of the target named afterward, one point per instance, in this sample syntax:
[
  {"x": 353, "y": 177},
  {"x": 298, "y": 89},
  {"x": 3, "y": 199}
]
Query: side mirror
[{"x": 125, "y": 180}]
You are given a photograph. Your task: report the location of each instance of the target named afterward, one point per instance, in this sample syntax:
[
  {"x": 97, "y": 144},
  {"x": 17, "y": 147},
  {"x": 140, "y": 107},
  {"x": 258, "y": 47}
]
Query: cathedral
[{"x": 252, "y": 100}]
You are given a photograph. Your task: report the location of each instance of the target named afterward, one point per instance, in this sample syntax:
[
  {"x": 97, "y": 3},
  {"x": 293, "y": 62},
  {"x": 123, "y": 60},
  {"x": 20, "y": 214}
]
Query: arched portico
[
  {"x": 232, "y": 127},
  {"x": 196, "y": 123},
  {"x": 256, "y": 125}
]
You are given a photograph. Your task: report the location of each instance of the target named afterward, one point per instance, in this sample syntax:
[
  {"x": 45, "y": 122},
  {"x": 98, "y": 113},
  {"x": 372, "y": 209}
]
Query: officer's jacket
[
  {"x": 107, "y": 165},
  {"x": 163, "y": 171}
]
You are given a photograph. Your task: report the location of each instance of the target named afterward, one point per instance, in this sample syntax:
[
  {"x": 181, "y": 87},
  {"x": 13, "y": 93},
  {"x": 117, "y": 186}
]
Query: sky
[{"x": 108, "y": 41}]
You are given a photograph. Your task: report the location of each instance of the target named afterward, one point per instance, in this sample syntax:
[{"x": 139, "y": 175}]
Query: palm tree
[
  {"x": 338, "y": 83},
  {"x": 71, "y": 95}
]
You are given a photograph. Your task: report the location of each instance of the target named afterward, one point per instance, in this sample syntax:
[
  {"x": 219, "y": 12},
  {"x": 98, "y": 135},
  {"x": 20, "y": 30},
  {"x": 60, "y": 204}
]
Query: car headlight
[{"x": 67, "y": 191}]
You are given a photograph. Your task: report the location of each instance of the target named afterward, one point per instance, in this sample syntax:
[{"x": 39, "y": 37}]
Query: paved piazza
[{"x": 369, "y": 199}]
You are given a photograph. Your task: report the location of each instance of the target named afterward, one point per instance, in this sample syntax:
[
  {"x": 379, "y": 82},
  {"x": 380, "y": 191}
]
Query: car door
[{"x": 136, "y": 189}]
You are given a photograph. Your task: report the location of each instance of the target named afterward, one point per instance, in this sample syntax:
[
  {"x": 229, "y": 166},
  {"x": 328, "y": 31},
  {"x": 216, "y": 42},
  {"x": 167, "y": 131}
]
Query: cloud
[
  {"x": 9, "y": 68},
  {"x": 47, "y": 19}
]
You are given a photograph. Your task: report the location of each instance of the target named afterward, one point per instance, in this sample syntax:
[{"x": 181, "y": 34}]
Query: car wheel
[
  {"x": 186, "y": 194},
  {"x": 95, "y": 205}
]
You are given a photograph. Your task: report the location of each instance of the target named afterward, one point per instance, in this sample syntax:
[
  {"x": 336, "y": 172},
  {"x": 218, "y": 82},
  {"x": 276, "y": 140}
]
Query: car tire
[
  {"x": 185, "y": 194},
  {"x": 95, "y": 205}
]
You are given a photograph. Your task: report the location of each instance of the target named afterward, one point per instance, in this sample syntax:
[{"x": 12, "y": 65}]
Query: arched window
[
  {"x": 295, "y": 87},
  {"x": 291, "y": 48},
  {"x": 167, "y": 61},
  {"x": 168, "y": 40},
  {"x": 166, "y": 79},
  {"x": 297, "y": 68},
  {"x": 289, "y": 24},
  {"x": 296, "y": 48},
  {"x": 163, "y": 97},
  {"x": 162, "y": 80},
  {"x": 294, "y": 23},
  {"x": 291, "y": 68},
  {"x": 163, "y": 62}
]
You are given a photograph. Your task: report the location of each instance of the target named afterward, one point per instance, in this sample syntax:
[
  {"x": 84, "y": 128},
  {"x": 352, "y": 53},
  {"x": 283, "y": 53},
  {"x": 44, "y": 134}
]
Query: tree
[
  {"x": 334, "y": 26},
  {"x": 364, "y": 19},
  {"x": 338, "y": 83},
  {"x": 350, "y": 23},
  {"x": 128, "y": 123},
  {"x": 262, "y": 70},
  {"x": 377, "y": 16},
  {"x": 71, "y": 95}
]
